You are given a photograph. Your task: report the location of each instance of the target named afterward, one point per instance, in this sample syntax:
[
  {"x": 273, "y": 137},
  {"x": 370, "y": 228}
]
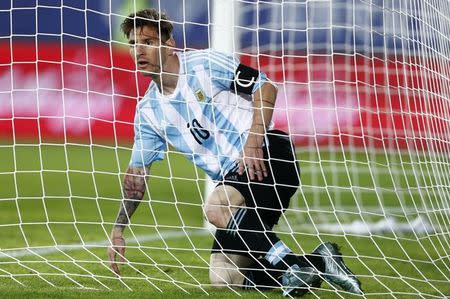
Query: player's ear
[{"x": 170, "y": 45}]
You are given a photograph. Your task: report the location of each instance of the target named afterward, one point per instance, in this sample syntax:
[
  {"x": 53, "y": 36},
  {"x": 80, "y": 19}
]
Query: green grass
[{"x": 69, "y": 194}]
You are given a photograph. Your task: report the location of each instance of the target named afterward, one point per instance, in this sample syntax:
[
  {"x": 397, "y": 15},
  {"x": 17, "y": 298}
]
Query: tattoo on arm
[
  {"x": 133, "y": 191},
  {"x": 126, "y": 210}
]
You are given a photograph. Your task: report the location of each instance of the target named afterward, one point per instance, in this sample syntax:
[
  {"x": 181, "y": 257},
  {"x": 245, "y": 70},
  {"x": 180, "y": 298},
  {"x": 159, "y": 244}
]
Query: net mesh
[{"x": 363, "y": 91}]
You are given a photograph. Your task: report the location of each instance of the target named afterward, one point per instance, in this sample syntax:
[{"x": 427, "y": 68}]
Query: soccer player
[{"x": 218, "y": 112}]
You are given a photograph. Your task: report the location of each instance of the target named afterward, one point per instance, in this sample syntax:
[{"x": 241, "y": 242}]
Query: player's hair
[{"x": 148, "y": 17}]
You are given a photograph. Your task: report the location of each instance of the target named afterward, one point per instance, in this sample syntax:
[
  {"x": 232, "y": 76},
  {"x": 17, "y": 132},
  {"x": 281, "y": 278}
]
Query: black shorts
[{"x": 272, "y": 195}]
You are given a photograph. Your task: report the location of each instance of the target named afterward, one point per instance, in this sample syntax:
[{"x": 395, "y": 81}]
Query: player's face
[{"x": 146, "y": 50}]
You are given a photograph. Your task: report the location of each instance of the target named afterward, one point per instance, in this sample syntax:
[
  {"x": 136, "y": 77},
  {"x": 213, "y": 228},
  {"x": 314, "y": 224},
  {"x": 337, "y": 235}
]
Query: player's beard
[{"x": 150, "y": 70}]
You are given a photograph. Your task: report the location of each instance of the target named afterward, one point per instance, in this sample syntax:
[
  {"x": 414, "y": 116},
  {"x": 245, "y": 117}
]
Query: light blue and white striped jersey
[{"x": 202, "y": 118}]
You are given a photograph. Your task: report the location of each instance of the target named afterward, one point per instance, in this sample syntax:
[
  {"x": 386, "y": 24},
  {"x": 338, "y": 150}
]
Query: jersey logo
[
  {"x": 200, "y": 134},
  {"x": 200, "y": 95}
]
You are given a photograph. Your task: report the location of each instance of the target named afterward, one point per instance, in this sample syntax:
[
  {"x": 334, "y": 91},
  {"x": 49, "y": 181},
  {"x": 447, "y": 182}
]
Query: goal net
[{"x": 363, "y": 90}]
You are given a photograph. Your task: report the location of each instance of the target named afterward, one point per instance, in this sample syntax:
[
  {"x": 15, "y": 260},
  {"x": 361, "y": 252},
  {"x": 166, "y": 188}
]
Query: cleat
[
  {"x": 336, "y": 272},
  {"x": 297, "y": 281}
]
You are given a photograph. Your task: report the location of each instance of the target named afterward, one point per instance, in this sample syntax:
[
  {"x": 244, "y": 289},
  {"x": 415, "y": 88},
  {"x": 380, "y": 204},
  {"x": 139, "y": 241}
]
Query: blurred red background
[{"x": 88, "y": 92}]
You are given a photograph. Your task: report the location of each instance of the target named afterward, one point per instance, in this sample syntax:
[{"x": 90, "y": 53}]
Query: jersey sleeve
[
  {"x": 222, "y": 67},
  {"x": 228, "y": 73},
  {"x": 148, "y": 145}
]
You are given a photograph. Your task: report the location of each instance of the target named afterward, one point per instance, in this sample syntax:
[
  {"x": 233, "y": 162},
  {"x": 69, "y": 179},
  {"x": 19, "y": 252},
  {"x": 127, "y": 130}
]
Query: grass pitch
[{"x": 58, "y": 203}]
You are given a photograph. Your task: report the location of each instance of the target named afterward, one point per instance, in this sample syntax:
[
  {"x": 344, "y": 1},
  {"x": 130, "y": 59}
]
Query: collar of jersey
[
  {"x": 180, "y": 72},
  {"x": 181, "y": 62}
]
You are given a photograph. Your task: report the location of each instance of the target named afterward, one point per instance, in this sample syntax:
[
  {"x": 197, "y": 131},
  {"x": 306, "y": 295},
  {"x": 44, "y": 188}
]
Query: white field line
[
  {"x": 419, "y": 225},
  {"x": 5, "y": 253}
]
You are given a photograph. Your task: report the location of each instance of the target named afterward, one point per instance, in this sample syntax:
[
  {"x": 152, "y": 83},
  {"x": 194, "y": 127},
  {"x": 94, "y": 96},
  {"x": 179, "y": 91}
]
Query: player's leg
[
  {"x": 230, "y": 261},
  {"x": 230, "y": 254},
  {"x": 224, "y": 269},
  {"x": 326, "y": 258},
  {"x": 221, "y": 204},
  {"x": 265, "y": 202},
  {"x": 249, "y": 229},
  {"x": 225, "y": 208},
  {"x": 335, "y": 271},
  {"x": 266, "y": 272},
  {"x": 243, "y": 229},
  {"x": 232, "y": 251},
  {"x": 260, "y": 273},
  {"x": 236, "y": 270},
  {"x": 285, "y": 178},
  {"x": 270, "y": 197}
]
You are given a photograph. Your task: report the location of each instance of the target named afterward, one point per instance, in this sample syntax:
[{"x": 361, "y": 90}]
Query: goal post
[
  {"x": 363, "y": 91},
  {"x": 223, "y": 37}
]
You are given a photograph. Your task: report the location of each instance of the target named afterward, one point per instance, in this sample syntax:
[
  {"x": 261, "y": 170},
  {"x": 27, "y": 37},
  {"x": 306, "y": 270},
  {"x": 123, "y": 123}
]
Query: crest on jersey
[{"x": 200, "y": 94}]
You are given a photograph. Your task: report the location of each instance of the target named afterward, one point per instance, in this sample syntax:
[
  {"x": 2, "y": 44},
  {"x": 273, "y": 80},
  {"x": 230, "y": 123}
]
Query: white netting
[{"x": 364, "y": 91}]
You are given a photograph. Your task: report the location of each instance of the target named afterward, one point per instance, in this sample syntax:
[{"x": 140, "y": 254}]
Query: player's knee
[
  {"x": 214, "y": 215},
  {"x": 221, "y": 205},
  {"x": 221, "y": 278},
  {"x": 224, "y": 274}
]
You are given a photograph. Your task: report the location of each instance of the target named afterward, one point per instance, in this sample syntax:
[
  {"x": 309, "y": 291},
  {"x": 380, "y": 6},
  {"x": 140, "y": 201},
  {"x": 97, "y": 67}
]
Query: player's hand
[
  {"x": 253, "y": 158},
  {"x": 116, "y": 250}
]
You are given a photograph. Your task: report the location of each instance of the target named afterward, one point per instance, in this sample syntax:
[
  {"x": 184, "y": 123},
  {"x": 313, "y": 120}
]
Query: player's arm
[
  {"x": 148, "y": 147},
  {"x": 228, "y": 73},
  {"x": 253, "y": 82},
  {"x": 133, "y": 191},
  {"x": 263, "y": 104}
]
